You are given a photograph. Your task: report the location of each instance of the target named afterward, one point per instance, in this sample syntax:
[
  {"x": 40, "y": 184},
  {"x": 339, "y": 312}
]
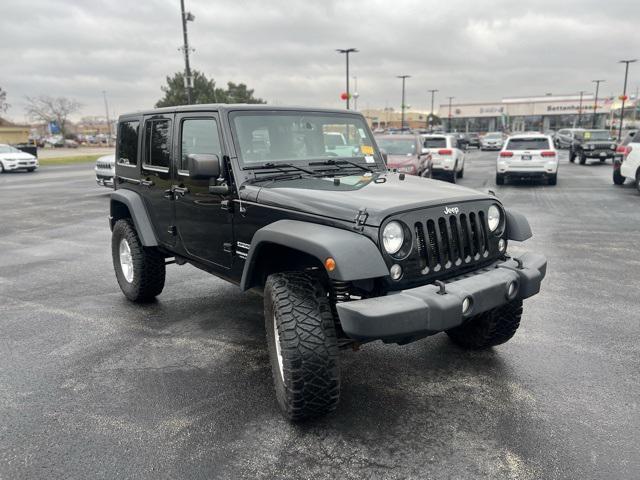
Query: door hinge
[
  {"x": 227, "y": 247},
  {"x": 360, "y": 219},
  {"x": 172, "y": 230},
  {"x": 226, "y": 205}
]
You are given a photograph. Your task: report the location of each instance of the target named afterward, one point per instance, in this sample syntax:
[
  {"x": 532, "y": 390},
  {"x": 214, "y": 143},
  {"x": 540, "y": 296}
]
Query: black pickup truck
[{"x": 345, "y": 250}]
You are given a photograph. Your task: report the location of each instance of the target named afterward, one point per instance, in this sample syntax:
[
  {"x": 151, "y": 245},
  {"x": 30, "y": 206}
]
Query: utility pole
[
  {"x": 106, "y": 108},
  {"x": 595, "y": 102},
  {"x": 403, "y": 77},
  {"x": 580, "y": 109},
  {"x": 347, "y": 51},
  {"x": 430, "y": 117},
  {"x": 624, "y": 93},
  {"x": 450, "y": 129},
  {"x": 188, "y": 79}
]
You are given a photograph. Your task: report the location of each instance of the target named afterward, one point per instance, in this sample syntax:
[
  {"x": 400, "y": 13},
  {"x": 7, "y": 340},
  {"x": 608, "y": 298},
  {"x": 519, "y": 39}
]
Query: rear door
[
  {"x": 156, "y": 175},
  {"x": 204, "y": 224},
  {"x": 527, "y": 151}
]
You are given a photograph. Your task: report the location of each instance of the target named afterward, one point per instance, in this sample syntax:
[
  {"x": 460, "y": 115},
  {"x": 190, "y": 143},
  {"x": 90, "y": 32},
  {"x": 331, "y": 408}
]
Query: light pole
[
  {"x": 595, "y": 102},
  {"x": 580, "y": 109},
  {"x": 186, "y": 17},
  {"x": 106, "y": 108},
  {"x": 430, "y": 117},
  {"x": 624, "y": 93},
  {"x": 347, "y": 51},
  {"x": 450, "y": 98},
  {"x": 402, "y": 106}
]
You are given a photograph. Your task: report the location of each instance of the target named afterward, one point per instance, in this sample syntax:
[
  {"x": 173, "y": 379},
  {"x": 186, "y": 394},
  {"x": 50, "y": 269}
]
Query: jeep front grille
[{"x": 451, "y": 241}]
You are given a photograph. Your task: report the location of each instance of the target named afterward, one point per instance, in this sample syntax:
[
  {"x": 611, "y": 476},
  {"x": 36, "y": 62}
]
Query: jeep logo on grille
[{"x": 451, "y": 211}]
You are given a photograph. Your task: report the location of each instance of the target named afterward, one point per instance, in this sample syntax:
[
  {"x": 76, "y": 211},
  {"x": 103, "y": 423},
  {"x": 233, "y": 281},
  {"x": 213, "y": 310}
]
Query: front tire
[
  {"x": 302, "y": 343},
  {"x": 583, "y": 160},
  {"x": 140, "y": 270},
  {"x": 488, "y": 329}
]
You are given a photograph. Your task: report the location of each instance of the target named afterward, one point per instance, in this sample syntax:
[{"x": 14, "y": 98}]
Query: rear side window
[
  {"x": 435, "y": 142},
  {"x": 157, "y": 149},
  {"x": 528, "y": 144},
  {"x": 128, "y": 143},
  {"x": 199, "y": 135}
]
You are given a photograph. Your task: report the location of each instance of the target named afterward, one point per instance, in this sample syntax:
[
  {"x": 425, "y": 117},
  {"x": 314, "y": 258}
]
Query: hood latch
[{"x": 360, "y": 219}]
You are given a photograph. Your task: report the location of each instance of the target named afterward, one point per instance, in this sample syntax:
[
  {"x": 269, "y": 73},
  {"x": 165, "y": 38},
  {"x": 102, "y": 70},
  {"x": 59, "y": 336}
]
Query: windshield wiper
[
  {"x": 340, "y": 162},
  {"x": 277, "y": 166}
]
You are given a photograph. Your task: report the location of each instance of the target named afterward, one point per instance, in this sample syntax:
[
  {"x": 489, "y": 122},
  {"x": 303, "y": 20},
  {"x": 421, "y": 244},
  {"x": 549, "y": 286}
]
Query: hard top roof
[{"x": 228, "y": 107}]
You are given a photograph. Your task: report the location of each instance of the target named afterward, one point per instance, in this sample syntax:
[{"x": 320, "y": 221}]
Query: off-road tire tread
[
  {"x": 148, "y": 265},
  {"x": 488, "y": 329},
  {"x": 308, "y": 345}
]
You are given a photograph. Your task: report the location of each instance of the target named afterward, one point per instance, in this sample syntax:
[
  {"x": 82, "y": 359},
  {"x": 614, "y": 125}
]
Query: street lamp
[
  {"x": 347, "y": 51},
  {"x": 624, "y": 93},
  {"x": 595, "y": 102},
  {"x": 403, "y": 77},
  {"x": 450, "y": 98},
  {"x": 188, "y": 80},
  {"x": 580, "y": 109},
  {"x": 430, "y": 117}
]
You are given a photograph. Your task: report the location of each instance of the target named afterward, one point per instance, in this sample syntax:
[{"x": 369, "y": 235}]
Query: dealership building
[{"x": 539, "y": 113}]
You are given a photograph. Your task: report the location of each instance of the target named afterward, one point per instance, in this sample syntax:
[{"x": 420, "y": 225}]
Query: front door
[
  {"x": 155, "y": 176},
  {"x": 205, "y": 228}
]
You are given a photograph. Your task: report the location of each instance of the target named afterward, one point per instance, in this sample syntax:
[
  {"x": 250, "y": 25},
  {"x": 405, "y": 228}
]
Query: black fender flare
[
  {"x": 356, "y": 256},
  {"x": 139, "y": 215},
  {"x": 518, "y": 228}
]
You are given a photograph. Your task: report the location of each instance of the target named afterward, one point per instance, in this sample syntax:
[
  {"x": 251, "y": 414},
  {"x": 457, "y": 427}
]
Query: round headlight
[
  {"x": 493, "y": 218},
  {"x": 392, "y": 237}
]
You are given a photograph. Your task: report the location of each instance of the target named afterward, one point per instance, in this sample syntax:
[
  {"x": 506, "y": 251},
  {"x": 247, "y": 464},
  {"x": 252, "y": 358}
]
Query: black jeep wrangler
[
  {"x": 593, "y": 145},
  {"x": 345, "y": 250}
]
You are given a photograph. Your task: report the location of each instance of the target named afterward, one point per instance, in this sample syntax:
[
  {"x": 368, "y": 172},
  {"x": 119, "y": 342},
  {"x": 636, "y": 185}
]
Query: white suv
[
  {"x": 447, "y": 156},
  {"x": 13, "y": 159},
  {"x": 628, "y": 164},
  {"x": 528, "y": 155}
]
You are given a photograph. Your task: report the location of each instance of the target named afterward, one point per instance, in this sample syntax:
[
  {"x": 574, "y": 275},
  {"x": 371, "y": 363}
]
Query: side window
[
  {"x": 157, "y": 149},
  {"x": 199, "y": 135},
  {"x": 128, "y": 143}
]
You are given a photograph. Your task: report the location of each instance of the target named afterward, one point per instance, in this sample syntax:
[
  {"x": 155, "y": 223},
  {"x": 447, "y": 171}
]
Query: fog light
[
  {"x": 396, "y": 271},
  {"x": 502, "y": 245},
  {"x": 512, "y": 289},
  {"x": 466, "y": 305}
]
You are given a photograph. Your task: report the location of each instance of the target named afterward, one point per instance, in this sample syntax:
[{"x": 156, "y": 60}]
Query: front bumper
[
  {"x": 418, "y": 312},
  {"x": 21, "y": 165},
  {"x": 599, "y": 153}
]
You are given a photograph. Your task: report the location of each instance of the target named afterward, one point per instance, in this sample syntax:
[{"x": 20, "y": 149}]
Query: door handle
[
  {"x": 168, "y": 193},
  {"x": 147, "y": 183}
]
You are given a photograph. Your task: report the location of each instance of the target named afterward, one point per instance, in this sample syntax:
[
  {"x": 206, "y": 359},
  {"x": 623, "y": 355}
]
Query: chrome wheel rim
[
  {"x": 126, "y": 261},
  {"x": 276, "y": 337}
]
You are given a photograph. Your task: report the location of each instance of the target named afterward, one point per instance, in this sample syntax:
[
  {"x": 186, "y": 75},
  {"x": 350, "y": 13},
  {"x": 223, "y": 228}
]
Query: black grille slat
[
  {"x": 422, "y": 247},
  {"x": 443, "y": 238},
  {"x": 456, "y": 256},
  {"x": 434, "y": 248}
]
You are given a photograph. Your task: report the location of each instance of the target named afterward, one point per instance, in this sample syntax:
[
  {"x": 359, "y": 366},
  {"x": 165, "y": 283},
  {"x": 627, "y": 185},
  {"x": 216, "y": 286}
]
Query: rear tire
[
  {"x": 488, "y": 329},
  {"x": 583, "y": 160},
  {"x": 553, "y": 179},
  {"x": 499, "y": 179},
  {"x": 618, "y": 179},
  {"x": 638, "y": 180},
  {"x": 141, "y": 271},
  {"x": 460, "y": 174},
  {"x": 302, "y": 343}
]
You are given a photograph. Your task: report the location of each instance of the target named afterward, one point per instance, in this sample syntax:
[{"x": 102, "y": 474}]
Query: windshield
[
  {"x": 8, "y": 149},
  {"x": 301, "y": 137},
  {"x": 398, "y": 146},
  {"x": 538, "y": 143},
  {"x": 440, "y": 142},
  {"x": 596, "y": 135}
]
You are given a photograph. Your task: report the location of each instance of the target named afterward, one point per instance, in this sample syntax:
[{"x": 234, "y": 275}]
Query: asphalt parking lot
[{"x": 92, "y": 386}]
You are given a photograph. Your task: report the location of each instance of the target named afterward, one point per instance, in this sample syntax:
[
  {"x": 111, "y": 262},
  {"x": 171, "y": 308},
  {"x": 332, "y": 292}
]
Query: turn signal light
[
  {"x": 506, "y": 154},
  {"x": 548, "y": 153},
  {"x": 330, "y": 264},
  {"x": 445, "y": 151}
]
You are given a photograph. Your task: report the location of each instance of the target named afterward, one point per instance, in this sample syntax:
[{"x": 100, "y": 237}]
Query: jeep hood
[{"x": 382, "y": 194}]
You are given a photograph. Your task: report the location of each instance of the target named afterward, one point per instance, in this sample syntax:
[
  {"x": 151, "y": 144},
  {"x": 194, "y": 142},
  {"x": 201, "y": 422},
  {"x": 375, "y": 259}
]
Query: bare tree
[
  {"x": 48, "y": 109},
  {"x": 3, "y": 100}
]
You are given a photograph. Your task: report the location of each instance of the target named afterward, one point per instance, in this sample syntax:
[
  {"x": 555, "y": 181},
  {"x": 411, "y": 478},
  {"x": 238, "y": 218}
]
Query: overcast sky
[{"x": 285, "y": 49}]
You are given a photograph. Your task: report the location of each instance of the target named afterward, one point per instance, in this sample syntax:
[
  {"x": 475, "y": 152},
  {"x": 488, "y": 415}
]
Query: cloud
[{"x": 285, "y": 50}]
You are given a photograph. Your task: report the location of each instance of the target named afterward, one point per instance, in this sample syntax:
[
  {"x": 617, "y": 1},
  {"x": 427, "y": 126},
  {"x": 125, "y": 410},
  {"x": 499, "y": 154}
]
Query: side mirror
[
  {"x": 383, "y": 152},
  {"x": 203, "y": 166}
]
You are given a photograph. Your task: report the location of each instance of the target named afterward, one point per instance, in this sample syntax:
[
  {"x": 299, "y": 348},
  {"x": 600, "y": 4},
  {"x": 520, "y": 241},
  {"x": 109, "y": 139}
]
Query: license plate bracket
[{"x": 526, "y": 157}]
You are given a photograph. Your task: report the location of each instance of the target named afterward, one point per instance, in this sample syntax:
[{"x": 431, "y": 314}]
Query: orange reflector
[{"x": 330, "y": 264}]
